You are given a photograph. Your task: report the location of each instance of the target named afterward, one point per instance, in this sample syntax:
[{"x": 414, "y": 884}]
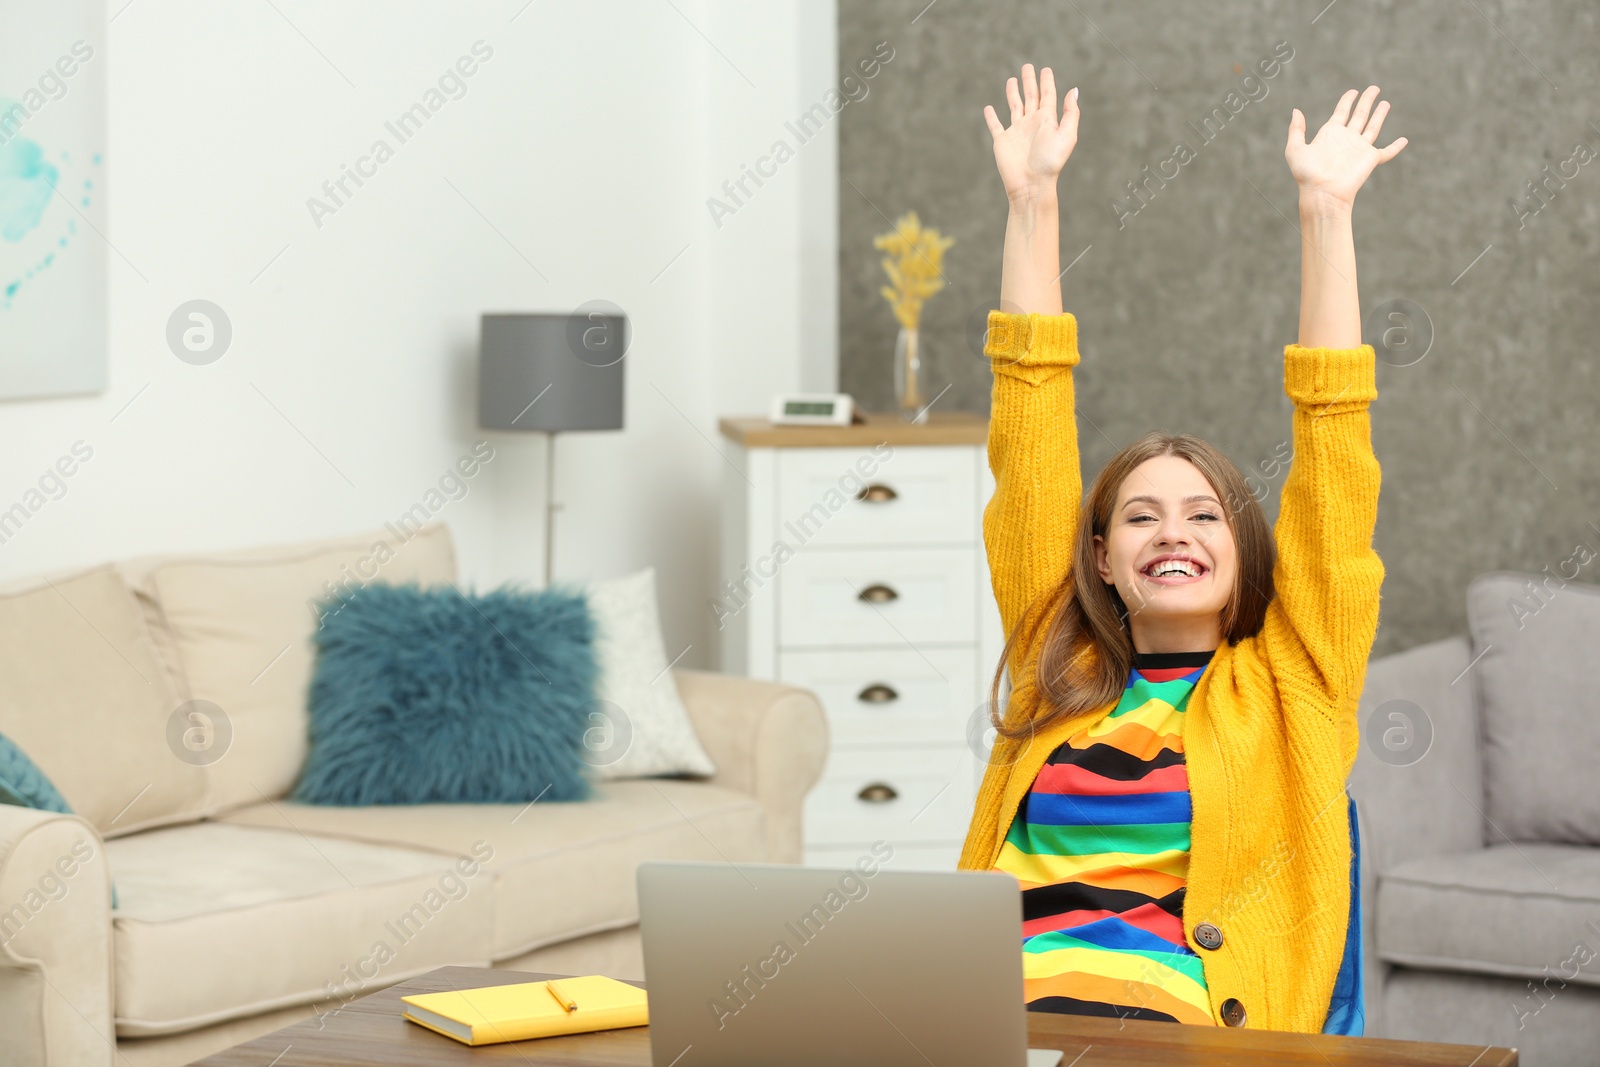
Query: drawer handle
[
  {"x": 877, "y": 793},
  {"x": 876, "y": 494},
  {"x": 877, "y": 693},
  {"x": 879, "y": 594}
]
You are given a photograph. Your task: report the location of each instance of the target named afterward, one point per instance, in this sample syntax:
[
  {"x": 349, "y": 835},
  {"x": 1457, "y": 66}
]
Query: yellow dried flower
[{"x": 915, "y": 256}]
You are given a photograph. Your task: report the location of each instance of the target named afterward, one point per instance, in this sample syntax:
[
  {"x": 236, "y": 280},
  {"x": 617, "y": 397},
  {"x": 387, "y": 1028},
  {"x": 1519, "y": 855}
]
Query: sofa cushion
[
  {"x": 1508, "y": 909},
  {"x": 85, "y": 699},
  {"x": 1541, "y": 720},
  {"x": 220, "y": 921},
  {"x": 241, "y": 627},
  {"x": 560, "y": 870}
]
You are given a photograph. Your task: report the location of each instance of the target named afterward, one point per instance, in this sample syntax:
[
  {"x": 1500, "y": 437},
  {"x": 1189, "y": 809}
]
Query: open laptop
[{"x": 768, "y": 965}]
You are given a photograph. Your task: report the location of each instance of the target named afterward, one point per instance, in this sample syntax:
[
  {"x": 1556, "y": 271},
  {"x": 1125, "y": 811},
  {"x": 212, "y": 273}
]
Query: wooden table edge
[{"x": 1071, "y": 1034}]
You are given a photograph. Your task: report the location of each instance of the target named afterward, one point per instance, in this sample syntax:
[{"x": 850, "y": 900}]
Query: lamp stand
[{"x": 550, "y": 509}]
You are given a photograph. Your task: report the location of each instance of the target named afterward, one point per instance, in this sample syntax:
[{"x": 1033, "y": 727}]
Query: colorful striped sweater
[
  {"x": 1100, "y": 846},
  {"x": 1270, "y": 730}
]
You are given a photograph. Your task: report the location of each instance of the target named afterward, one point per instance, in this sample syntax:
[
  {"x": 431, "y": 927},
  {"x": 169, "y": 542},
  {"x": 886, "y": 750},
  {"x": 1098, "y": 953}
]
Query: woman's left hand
[{"x": 1331, "y": 169}]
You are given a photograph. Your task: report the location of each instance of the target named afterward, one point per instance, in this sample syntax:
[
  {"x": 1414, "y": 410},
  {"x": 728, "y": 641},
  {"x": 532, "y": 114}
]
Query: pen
[{"x": 561, "y": 998}]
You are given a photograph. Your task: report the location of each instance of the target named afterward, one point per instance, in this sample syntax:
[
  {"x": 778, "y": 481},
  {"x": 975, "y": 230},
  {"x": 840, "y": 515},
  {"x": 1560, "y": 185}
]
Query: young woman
[{"x": 1168, "y": 781}]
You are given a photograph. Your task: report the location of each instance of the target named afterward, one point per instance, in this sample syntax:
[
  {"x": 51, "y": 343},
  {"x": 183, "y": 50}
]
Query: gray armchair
[{"x": 1478, "y": 793}]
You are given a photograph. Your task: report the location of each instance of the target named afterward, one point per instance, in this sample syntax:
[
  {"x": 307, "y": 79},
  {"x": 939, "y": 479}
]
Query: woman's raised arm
[
  {"x": 1328, "y": 577},
  {"x": 1033, "y": 439},
  {"x": 1329, "y": 171},
  {"x": 1029, "y": 155}
]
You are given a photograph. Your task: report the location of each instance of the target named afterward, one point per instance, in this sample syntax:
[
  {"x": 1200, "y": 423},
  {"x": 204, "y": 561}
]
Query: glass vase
[{"x": 909, "y": 386}]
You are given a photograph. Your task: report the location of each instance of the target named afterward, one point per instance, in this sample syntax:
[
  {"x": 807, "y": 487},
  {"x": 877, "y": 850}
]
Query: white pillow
[{"x": 638, "y": 726}]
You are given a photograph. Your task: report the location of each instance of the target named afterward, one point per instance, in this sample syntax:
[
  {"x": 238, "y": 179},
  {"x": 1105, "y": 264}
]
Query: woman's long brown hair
[{"x": 1087, "y": 649}]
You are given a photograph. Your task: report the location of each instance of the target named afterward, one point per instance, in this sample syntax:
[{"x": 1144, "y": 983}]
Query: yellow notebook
[{"x": 529, "y": 1009}]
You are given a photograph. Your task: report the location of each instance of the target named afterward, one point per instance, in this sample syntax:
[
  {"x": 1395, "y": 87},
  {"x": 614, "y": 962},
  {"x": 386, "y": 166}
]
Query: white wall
[{"x": 587, "y": 146}]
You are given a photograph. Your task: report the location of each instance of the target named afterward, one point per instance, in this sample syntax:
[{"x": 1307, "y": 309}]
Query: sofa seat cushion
[
  {"x": 560, "y": 870},
  {"x": 1509, "y": 909},
  {"x": 216, "y": 922}
]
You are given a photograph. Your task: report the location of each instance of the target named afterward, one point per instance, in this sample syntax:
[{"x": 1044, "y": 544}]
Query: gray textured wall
[{"x": 1487, "y": 443}]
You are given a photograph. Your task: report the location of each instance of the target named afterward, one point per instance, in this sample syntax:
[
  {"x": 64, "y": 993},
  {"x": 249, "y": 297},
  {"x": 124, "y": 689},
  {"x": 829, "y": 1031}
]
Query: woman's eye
[{"x": 1198, "y": 516}]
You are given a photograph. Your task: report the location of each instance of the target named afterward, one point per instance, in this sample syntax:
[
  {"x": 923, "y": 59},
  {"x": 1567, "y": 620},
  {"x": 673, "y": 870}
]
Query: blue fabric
[
  {"x": 1347, "y": 1009},
  {"x": 437, "y": 696},
  {"x": 22, "y": 783}
]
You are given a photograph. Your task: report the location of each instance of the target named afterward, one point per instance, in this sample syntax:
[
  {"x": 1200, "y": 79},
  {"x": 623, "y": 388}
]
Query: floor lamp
[{"x": 551, "y": 373}]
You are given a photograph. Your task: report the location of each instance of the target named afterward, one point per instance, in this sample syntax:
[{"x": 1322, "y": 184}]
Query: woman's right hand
[{"x": 1031, "y": 152}]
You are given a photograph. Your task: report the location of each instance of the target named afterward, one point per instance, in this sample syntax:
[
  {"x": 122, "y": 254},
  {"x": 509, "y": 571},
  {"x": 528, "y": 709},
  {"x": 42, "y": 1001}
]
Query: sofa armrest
[
  {"x": 55, "y": 941},
  {"x": 767, "y": 740}
]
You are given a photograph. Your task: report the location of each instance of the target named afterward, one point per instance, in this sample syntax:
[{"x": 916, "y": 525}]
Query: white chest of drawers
[{"x": 852, "y": 564}]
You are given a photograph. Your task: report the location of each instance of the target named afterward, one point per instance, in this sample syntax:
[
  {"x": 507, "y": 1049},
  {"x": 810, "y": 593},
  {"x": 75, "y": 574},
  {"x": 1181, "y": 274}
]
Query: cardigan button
[
  {"x": 1232, "y": 1012},
  {"x": 1208, "y": 935}
]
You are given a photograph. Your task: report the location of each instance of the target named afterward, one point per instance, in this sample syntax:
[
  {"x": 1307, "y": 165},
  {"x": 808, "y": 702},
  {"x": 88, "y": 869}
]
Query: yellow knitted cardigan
[{"x": 1270, "y": 733}]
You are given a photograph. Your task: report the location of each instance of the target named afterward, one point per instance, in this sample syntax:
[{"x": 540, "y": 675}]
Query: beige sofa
[{"x": 240, "y": 911}]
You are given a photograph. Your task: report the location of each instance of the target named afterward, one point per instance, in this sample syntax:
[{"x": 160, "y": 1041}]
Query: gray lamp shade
[{"x": 551, "y": 372}]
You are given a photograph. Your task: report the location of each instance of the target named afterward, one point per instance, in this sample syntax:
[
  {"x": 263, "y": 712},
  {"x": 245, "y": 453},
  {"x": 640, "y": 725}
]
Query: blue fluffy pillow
[
  {"x": 24, "y": 784},
  {"x": 435, "y": 696}
]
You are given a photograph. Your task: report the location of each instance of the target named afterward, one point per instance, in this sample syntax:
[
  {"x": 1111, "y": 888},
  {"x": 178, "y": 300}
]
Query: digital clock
[{"x": 816, "y": 409}]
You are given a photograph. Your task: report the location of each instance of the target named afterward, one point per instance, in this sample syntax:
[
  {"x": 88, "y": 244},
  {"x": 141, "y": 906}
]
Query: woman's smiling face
[{"x": 1169, "y": 550}]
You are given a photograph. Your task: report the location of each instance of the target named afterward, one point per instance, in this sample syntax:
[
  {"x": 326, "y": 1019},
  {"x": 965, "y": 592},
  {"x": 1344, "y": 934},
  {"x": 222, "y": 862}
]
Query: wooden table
[{"x": 371, "y": 1031}]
